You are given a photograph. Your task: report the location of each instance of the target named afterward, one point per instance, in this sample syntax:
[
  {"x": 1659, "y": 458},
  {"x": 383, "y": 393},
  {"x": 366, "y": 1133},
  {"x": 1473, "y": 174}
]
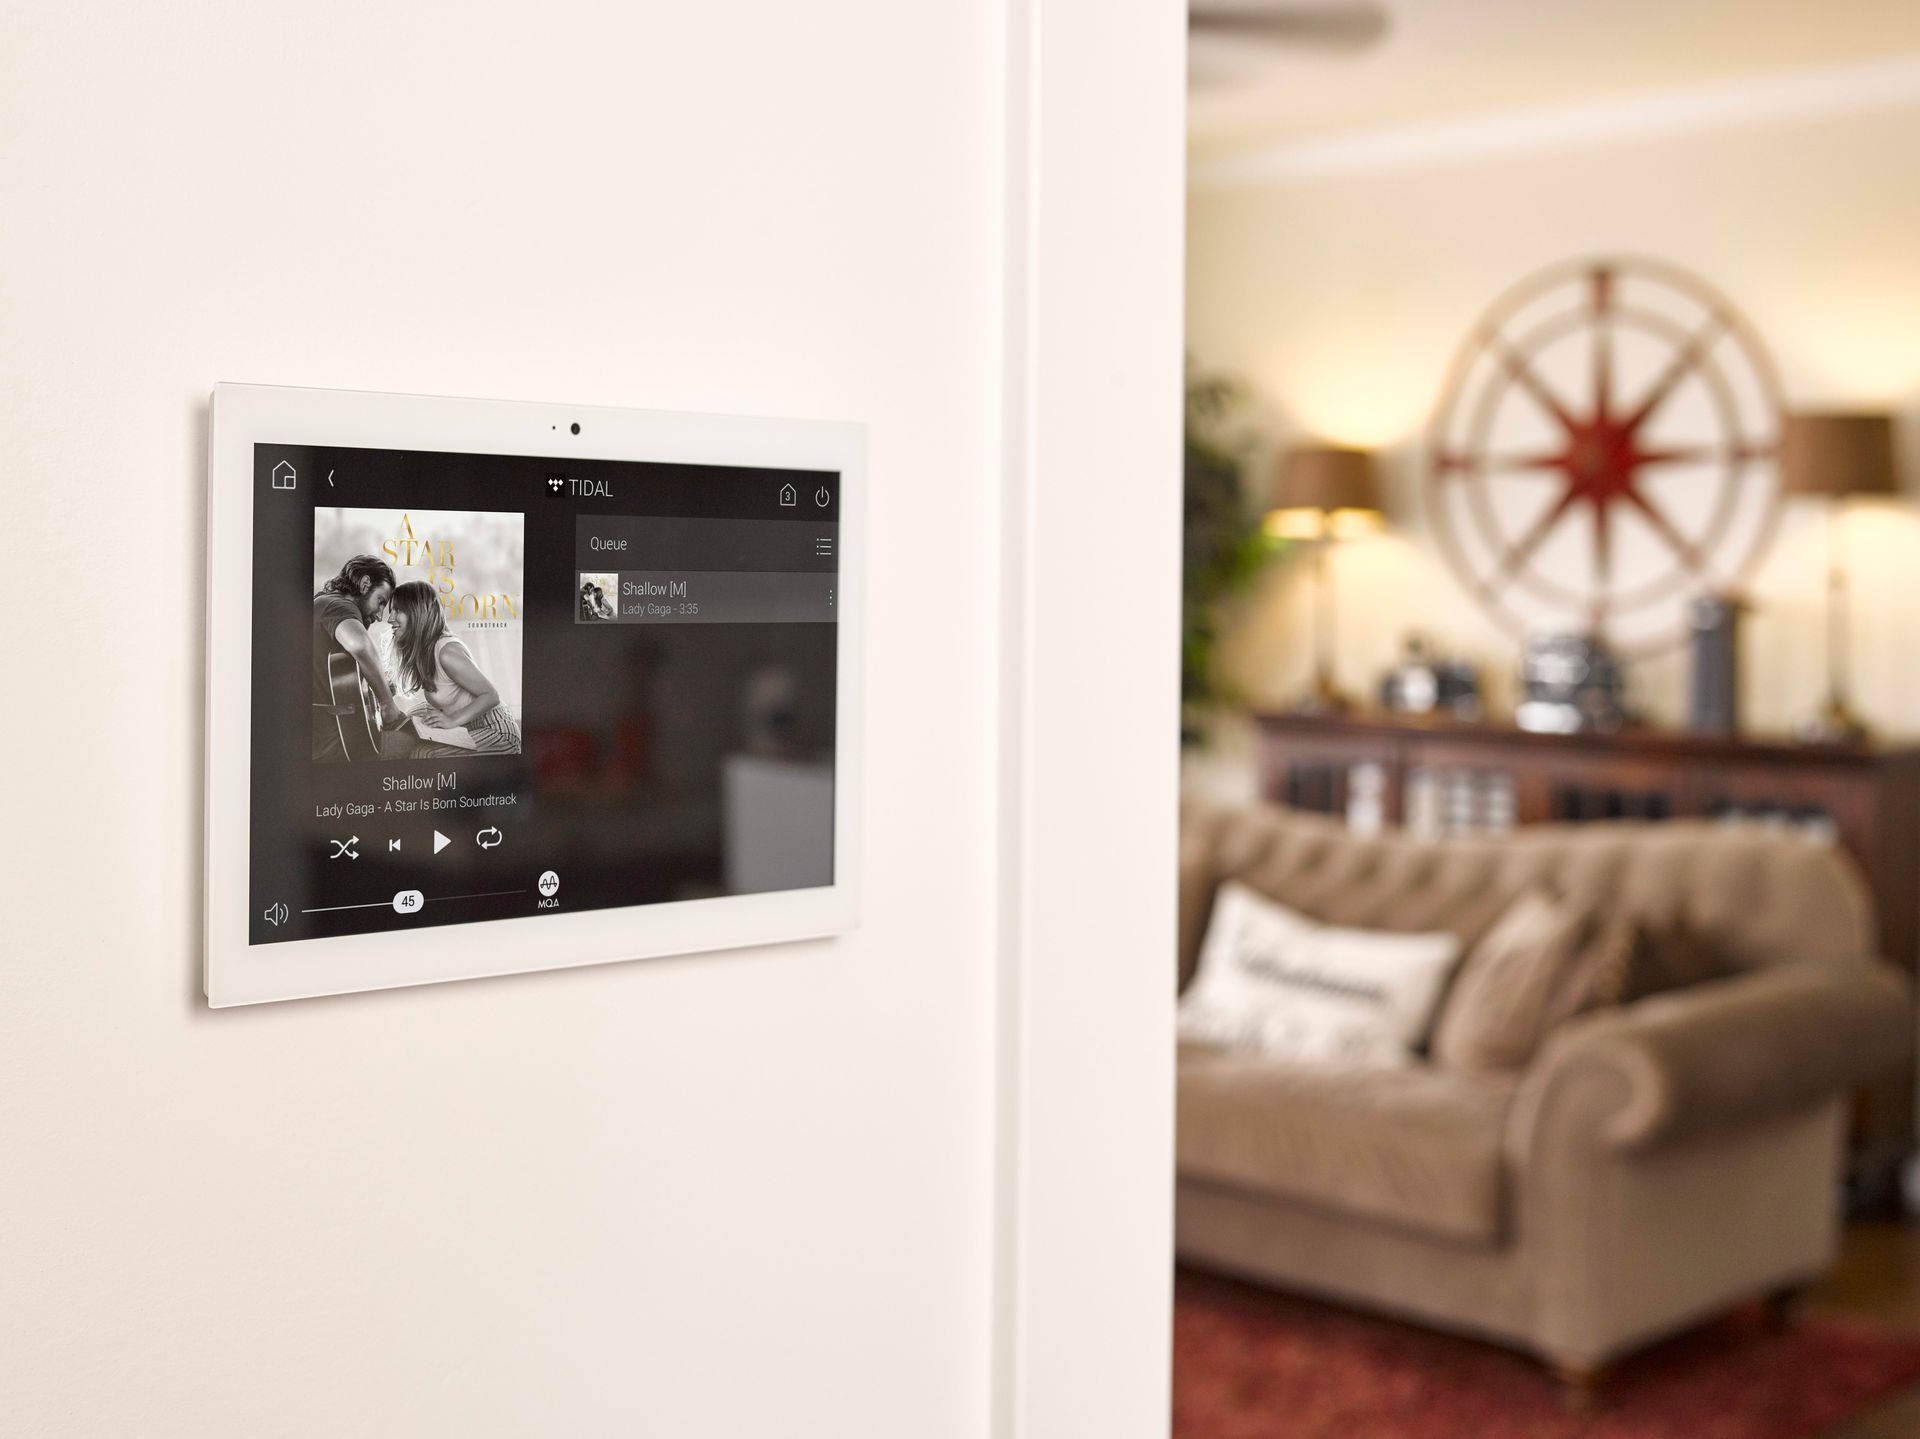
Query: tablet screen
[{"x": 493, "y": 686}]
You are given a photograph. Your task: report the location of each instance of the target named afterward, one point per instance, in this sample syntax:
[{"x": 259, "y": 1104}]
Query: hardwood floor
[{"x": 1878, "y": 1277}]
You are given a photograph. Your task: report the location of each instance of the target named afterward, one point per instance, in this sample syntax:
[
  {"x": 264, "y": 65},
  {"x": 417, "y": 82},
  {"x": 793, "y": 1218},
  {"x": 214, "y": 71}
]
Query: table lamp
[
  {"x": 1323, "y": 493},
  {"x": 1837, "y": 457}
]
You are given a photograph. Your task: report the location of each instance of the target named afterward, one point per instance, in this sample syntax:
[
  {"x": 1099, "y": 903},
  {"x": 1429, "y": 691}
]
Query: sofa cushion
[
  {"x": 1414, "y": 1147},
  {"x": 1272, "y": 981},
  {"x": 1545, "y": 961},
  {"x": 1677, "y": 958}
]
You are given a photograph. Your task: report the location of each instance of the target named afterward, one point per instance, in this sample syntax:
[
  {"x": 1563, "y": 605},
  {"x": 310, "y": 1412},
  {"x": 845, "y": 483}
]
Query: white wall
[
  {"x": 1341, "y": 285},
  {"x": 1088, "y": 776},
  {"x": 739, "y": 1196}
]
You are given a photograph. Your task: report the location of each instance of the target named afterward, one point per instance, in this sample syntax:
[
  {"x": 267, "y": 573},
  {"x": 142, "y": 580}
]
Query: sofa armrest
[{"x": 1715, "y": 1054}]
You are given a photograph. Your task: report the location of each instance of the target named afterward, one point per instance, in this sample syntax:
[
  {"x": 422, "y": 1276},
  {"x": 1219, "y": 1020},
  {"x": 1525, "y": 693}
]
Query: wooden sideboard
[{"x": 1865, "y": 798}]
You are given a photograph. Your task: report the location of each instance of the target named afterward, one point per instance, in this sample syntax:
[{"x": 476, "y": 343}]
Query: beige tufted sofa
[{"x": 1655, "y": 1163}]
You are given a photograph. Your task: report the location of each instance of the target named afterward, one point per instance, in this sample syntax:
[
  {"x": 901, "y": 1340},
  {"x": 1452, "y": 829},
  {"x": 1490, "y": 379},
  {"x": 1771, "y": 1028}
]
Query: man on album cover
[
  {"x": 594, "y": 604},
  {"x": 342, "y": 610}
]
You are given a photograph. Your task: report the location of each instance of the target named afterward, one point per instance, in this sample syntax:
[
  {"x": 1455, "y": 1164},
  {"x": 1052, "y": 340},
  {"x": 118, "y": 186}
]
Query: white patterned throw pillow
[{"x": 1271, "y": 981}]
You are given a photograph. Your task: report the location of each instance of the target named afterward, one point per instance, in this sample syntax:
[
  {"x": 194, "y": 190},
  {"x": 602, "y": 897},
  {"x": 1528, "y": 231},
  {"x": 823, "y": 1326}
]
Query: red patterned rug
[{"x": 1248, "y": 1364}]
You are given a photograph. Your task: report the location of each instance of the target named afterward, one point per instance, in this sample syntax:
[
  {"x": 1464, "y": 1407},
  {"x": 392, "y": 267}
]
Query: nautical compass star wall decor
[{"x": 1605, "y": 451}]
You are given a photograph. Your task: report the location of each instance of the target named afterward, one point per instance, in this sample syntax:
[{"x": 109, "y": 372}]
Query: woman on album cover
[
  {"x": 438, "y": 666},
  {"x": 594, "y": 604}
]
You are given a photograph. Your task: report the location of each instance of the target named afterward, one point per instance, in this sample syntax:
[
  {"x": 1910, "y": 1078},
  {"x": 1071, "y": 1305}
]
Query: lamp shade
[
  {"x": 1837, "y": 455},
  {"x": 1325, "y": 477}
]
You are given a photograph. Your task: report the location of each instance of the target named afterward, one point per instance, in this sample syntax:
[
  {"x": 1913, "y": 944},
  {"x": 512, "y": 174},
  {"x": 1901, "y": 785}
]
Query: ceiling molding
[{"x": 1722, "y": 105}]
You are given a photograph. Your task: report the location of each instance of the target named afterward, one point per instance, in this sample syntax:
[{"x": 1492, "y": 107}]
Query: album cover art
[
  {"x": 599, "y": 596},
  {"x": 416, "y": 633}
]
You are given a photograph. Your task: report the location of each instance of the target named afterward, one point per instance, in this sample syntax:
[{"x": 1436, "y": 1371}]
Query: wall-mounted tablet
[{"x": 496, "y": 687}]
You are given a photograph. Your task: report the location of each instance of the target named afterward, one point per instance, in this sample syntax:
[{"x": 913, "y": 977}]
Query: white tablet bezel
[{"x": 242, "y": 416}]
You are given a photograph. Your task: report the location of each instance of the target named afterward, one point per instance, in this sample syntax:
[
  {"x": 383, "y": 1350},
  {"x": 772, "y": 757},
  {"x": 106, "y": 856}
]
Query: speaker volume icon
[{"x": 275, "y": 914}]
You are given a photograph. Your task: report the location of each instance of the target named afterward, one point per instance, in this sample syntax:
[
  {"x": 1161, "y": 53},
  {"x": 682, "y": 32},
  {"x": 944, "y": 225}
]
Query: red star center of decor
[{"x": 1600, "y": 460}]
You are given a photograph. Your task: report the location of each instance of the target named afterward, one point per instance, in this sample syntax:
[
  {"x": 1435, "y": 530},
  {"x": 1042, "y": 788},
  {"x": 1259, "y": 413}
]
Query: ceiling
[{"x": 1442, "y": 59}]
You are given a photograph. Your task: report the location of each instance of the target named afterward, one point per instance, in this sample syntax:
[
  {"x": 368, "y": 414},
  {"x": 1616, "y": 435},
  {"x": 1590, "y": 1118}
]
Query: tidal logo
[{"x": 556, "y": 484}]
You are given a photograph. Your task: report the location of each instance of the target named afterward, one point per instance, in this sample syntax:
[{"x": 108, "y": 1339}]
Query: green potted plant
[{"x": 1224, "y": 546}]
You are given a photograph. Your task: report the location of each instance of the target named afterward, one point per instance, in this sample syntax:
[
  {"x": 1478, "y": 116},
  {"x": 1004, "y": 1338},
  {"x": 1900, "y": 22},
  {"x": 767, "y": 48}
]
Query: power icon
[{"x": 822, "y": 497}]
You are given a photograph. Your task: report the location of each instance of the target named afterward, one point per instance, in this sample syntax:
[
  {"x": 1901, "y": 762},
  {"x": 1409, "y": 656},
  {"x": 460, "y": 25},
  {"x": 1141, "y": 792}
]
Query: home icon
[
  {"x": 787, "y": 494},
  {"x": 283, "y": 475}
]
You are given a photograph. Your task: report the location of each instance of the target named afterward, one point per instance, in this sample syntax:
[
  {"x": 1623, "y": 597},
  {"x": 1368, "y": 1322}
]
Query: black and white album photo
[
  {"x": 416, "y": 633},
  {"x": 599, "y": 596}
]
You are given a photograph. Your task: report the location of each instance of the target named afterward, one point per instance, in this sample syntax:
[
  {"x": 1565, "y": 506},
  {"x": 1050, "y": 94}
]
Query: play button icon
[{"x": 440, "y": 841}]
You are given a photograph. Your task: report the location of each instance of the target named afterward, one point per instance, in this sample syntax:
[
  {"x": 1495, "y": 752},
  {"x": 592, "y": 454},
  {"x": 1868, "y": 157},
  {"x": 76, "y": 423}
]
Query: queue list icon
[{"x": 275, "y": 914}]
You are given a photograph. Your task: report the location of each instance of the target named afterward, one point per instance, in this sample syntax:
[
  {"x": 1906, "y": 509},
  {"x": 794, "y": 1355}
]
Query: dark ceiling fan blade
[{"x": 1351, "y": 26}]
